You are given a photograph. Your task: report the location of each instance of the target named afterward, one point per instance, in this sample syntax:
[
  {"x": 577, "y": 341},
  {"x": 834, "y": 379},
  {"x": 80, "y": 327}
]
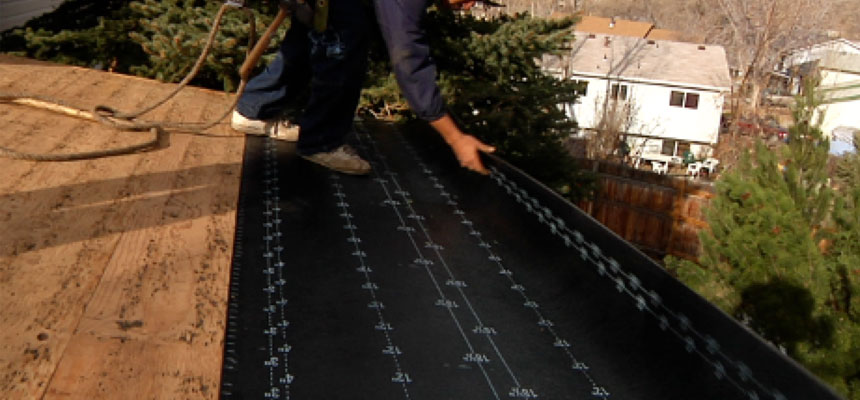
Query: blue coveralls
[{"x": 335, "y": 63}]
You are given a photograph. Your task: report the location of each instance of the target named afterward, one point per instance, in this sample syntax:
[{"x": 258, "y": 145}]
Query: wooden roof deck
[{"x": 113, "y": 272}]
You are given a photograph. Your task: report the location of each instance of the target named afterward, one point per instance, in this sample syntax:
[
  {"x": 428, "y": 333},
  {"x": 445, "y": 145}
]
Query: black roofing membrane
[{"x": 426, "y": 281}]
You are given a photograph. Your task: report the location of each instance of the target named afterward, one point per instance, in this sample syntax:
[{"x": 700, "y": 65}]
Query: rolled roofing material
[{"x": 426, "y": 281}]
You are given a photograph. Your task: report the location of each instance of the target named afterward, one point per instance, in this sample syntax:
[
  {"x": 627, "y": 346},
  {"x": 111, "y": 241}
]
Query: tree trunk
[{"x": 755, "y": 96}]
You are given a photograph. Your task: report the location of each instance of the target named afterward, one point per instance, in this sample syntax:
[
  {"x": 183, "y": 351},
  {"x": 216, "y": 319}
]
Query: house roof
[
  {"x": 853, "y": 44},
  {"x": 841, "y": 62},
  {"x": 840, "y": 44},
  {"x": 623, "y": 27},
  {"x": 81, "y": 240},
  {"x": 132, "y": 261},
  {"x": 663, "y": 34},
  {"x": 613, "y": 26},
  {"x": 657, "y": 61}
]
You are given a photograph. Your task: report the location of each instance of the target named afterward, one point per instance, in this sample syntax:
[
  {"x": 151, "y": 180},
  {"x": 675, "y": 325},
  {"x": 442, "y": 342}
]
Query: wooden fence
[{"x": 662, "y": 215}]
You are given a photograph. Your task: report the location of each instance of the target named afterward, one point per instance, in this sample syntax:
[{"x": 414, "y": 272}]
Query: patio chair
[
  {"x": 659, "y": 167},
  {"x": 711, "y": 165},
  {"x": 694, "y": 168}
]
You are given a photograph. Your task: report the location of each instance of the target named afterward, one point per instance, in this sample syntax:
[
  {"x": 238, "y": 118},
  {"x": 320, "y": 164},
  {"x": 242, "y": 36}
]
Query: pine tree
[
  {"x": 494, "y": 85},
  {"x": 840, "y": 364},
  {"x": 87, "y": 33},
  {"x": 806, "y": 157},
  {"x": 782, "y": 256},
  {"x": 847, "y": 171},
  {"x": 154, "y": 39},
  {"x": 173, "y": 33}
]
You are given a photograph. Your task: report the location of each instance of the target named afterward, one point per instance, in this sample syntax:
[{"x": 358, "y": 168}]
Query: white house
[
  {"x": 673, "y": 91},
  {"x": 840, "y": 89},
  {"x": 819, "y": 50},
  {"x": 837, "y": 64},
  {"x": 14, "y": 13}
]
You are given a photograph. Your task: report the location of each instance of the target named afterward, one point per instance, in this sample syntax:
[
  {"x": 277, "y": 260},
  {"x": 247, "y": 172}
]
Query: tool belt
[{"x": 311, "y": 13}]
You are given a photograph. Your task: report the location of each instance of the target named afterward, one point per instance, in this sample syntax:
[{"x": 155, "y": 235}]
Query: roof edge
[{"x": 653, "y": 81}]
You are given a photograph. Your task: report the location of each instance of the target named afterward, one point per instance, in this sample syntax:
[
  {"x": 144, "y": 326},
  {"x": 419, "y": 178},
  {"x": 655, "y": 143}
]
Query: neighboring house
[
  {"x": 673, "y": 92},
  {"x": 817, "y": 51},
  {"x": 836, "y": 64},
  {"x": 621, "y": 27},
  {"x": 840, "y": 91},
  {"x": 15, "y": 13}
]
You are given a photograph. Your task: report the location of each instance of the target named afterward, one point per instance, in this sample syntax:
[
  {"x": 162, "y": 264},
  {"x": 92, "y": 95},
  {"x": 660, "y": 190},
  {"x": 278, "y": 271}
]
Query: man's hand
[{"x": 465, "y": 147}]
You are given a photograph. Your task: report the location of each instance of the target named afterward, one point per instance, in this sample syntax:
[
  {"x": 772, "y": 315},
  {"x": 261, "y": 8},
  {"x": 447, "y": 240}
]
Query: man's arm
[{"x": 408, "y": 48}]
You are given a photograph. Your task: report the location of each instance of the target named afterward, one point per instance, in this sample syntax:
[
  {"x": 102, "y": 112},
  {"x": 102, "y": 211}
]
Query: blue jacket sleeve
[{"x": 415, "y": 70}]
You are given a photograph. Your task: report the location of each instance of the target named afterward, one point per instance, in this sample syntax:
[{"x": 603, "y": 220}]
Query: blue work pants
[{"x": 325, "y": 71}]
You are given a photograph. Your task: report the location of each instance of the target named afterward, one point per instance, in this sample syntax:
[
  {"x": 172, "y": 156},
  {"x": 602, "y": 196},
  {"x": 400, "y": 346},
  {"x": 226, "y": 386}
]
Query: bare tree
[
  {"x": 541, "y": 8},
  {"x": 614, "y": 119},
  {"x": 625, "y": 9},
  {"x": 758, "y": 32},
  {"x": 677, "y": 15},
  {"x": 845, "y": 15}
]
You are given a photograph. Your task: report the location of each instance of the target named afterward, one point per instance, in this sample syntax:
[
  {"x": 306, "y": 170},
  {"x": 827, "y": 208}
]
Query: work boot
[
  {"x": 280, "y": 129},
  {"x": 342, "y": 159}
]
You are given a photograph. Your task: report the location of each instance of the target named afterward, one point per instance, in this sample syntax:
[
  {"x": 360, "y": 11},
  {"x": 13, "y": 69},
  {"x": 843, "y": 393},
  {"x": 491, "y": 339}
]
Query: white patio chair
[
  {"x": 711, "y": 165},
  {"x": 659, "y": 167},
  {"x": 694, "y": 168}
]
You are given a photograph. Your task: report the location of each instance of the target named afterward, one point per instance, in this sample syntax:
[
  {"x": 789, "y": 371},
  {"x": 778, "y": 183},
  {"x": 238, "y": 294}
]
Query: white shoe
[
  {"x": 280, "y": 129},
  {"x": 342, "y": 159}
]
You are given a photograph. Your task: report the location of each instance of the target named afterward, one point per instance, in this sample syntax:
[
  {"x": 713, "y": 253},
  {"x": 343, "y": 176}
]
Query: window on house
[
  {"x": 692, "y": 101},
  {"x": 582, "y": 90},
  {"x": 677, "y": 99},
  {"x": 618, "y": 92},
  {"x": 686, "y": 100},
  {"x": 668, "y": 148}
]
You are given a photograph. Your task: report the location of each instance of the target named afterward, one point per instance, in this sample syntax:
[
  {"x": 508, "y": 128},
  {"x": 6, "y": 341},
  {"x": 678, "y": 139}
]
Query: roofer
[{"x": 334, "y": 62}]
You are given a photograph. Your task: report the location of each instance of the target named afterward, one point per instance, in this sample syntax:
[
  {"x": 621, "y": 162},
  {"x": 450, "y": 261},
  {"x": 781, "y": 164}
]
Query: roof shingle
[{"x": 663, "y": 61}]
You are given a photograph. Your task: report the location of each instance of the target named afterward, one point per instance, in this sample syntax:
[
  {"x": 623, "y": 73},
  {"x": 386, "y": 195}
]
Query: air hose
[{"x": 129, "y": 121}]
